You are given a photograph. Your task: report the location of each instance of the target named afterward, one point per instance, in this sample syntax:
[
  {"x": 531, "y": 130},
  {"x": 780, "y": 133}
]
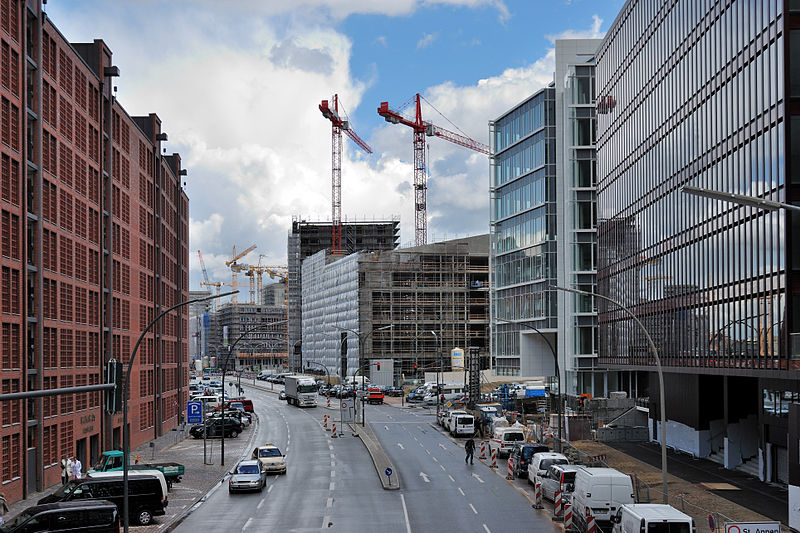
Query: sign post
[{"x": 388, "y": 473}]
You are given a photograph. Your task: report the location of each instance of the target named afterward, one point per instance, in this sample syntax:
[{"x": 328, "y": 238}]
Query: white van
[
  {"x": 603, "y": 491},
  {"x": 133, "y": 474},
  {"x": 651, "y": 518},
  {"x": 210, "y": 402},
  {"x": 505, "y": 438},
  {"x": 462, "y": 424}
]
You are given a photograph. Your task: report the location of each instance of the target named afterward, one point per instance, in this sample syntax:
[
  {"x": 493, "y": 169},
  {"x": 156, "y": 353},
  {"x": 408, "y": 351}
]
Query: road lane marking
[
  {"x": 476, "y": 476},
  {"x": 326, "y": 519},
  {"x": 386, "y": 428},
  {"x": 435, "y": 459},
  {"x": 487, "y": 528},
  {"x": 330, "y": 503},
  {"x": 331, "y": 486},
  {"x": 333, "y": 473},
  {"x": 260, "y": 504},
  {"x": 247, "y": 524},
  {"x": 473, "y": 509},
  {"x": 451, "y": 478},
  {"x": 405, "y": 513},
  {"x": 442, "y": 446},
  {"x": 269, "y": 489},
  {"x": 425, "y": 477},
  {"x": 442, "y": 467},
  {"x": 401, "y": 446},
  {"x": 461, "y": 491}
]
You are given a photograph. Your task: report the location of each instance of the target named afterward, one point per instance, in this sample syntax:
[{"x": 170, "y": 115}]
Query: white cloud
[
  {"x": 592, "y": 33},
  {"x": 427, "y": 40}
]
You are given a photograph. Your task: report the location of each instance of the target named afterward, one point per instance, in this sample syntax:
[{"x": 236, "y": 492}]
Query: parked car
[
  {"x": 282, "y": 395},
  {"x": 213, "y": 428},
  {"x": 249, "y": 474},
  {"x": 559, "y": 478},
  {"x": 271, "y": 457},
  {"x": 90, "y": 516},
  {"x": 374, "y": 396},
  {"x": 146, "y": 496},
  {"x": 394, "y": 392},
  {"x": 522, "y": 453}
]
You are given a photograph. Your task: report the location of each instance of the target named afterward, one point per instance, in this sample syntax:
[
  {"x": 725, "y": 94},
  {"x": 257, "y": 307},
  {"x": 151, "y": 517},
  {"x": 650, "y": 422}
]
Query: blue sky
[{"x": 237, "y": 84}]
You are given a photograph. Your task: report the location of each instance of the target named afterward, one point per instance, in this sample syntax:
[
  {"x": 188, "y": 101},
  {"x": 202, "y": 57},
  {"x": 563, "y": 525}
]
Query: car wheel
[
  {"x": 144, "y": 517},
  {"x": 234, "y": 434}
]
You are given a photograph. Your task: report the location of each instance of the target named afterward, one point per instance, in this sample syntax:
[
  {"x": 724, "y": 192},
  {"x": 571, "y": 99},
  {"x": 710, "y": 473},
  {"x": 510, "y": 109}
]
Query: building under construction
[
  {"x": 262, "y": 346},
  {"x": 412, "y": 305},
  {"x": 308, "y": 238}
]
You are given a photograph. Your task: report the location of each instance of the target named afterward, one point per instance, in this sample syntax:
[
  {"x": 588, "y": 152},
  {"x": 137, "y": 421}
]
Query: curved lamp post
[
  {"x": 225, "y": 370},
  {"x": 126, "y": 434},
  {"x": 362, "y": 337},
  {"x": 559, "y": 408},
  {"x": 662, "y": 406}
]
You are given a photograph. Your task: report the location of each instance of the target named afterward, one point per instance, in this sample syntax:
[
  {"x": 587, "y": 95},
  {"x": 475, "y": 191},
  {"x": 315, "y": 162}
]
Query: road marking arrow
[
  {"x": 476, "y": 476},
  {"x": 425, "y": 477},
  {"x": 401, "y": 446},
  {"x": 386, "y": 428}
]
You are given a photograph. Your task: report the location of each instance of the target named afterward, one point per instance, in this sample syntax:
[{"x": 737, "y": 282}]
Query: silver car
[{"x": 249, "y": 474}]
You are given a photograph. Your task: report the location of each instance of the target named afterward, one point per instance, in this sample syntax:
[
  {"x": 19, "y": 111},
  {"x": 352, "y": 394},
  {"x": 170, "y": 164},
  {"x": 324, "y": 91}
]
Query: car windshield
[
  {"x": 269, "y": 452},
  {"x": 513, "y": 436},
  {"x": 18, "y": 520},
  {"x": 547, "y": 463},
  {"x": 247, "y": 469},
  {"x": 569, "y": 477}
]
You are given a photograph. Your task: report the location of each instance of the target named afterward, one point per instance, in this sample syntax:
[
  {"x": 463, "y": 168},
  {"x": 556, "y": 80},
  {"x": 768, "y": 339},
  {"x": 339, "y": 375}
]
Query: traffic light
[
  {"x": 379, "y": 366},
  {"x": 114, "y": 396}
]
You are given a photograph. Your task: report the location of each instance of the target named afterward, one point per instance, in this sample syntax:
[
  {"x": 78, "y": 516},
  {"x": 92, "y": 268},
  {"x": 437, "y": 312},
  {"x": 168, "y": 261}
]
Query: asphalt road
[
  {"x": 441, "y": 492},
  {"x": 330, "y": 483}
]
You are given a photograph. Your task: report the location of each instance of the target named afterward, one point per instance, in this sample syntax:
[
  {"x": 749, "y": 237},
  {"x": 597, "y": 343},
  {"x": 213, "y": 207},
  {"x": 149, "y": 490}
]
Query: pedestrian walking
[
  {"x": 77, "y": 466},
  {"x": 469, "y": 446},
  {"x": 66, "y": 470}
]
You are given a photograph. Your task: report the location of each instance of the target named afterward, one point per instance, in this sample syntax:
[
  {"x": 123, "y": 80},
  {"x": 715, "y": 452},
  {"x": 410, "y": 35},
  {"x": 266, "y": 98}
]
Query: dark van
[
  {"x": 145, "y": 497},
  {"x": 92, "y": 516}
]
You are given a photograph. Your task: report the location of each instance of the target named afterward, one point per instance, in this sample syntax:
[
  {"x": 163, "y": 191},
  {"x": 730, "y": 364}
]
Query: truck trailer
[{"x": 301, "y": 391}]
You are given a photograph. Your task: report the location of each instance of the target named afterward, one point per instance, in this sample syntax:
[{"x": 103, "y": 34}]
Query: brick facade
[{"x": 94, "y": 245}]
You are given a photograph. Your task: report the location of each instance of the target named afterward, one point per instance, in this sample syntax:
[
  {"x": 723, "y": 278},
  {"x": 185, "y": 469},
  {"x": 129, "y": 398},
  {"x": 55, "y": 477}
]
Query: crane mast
[{"x": 422, "y": 129}]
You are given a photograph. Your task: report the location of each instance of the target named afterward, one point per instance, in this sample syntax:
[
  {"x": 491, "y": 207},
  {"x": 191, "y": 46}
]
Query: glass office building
[
  {"x": 693, "y": 93},
  {"x": 522, "y": 234}
]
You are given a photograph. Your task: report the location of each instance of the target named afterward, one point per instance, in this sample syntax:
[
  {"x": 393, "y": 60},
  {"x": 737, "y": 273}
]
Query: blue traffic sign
[
  {"x": 388, "y": 472},
  {"x": 194, "y": 412}
]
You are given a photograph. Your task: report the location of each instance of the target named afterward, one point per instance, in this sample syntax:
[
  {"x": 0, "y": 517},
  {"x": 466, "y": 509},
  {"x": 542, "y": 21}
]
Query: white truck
[
  {"x": 301, "y": 391},
  {"x": 651, "y": 518}
]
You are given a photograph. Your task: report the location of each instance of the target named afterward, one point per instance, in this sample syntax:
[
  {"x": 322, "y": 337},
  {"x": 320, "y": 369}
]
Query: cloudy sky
[{"x": 237, "y": 83}]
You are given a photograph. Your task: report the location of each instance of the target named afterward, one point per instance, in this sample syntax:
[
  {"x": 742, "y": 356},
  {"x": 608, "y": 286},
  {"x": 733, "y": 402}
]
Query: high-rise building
[
  {"x": 694, "y": 93},
  {"x": 258, "y": 332},
  {"x": 306, "y": 239},
  {"x": 409, "y": 305},
  {"x": 94, "y": 246}
]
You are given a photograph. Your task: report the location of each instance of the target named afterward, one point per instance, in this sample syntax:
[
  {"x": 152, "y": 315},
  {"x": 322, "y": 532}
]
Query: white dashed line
[
  {"x": 451, "y": 478},
  {"x": 461, "y": 491},
  {"x": 330, "y": 503},
  {"x": 443, "y": 468},
  {"x": 260, "y": 504},
  {"x": 247, "y": 524},
  {"x": 435, "y": 459},
  {"x": 487, "y": 528},
  {"x": 331, "y": 486},
  {"x": 269, "y": 489},
  {"x": 473, "y": 509}
]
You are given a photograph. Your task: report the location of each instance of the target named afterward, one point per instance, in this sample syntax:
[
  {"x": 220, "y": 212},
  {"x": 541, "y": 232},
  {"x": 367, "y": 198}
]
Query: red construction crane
[
  {"x": 422, "y": 128},
  {"x": 338, "y": 124}
]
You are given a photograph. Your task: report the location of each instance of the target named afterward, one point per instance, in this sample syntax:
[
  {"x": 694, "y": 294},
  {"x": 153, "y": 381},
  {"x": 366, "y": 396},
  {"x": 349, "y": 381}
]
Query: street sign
[
  {"x": 194, "y": 412},
  {"x": 752, "y": 527},
  {"x": 388, "y": 472}
]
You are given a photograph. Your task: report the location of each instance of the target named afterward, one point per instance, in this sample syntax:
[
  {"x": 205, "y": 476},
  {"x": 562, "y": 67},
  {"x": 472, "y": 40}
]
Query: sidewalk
[
  {"x": 176, "y": 446},
  {"x": 697, "y": 486}
]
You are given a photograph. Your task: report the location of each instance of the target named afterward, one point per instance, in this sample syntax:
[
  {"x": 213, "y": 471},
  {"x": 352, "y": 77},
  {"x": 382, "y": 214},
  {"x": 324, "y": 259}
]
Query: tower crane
[
  {"x": 338, "y": 124},
  {"x": 207, "y": 281},
  {"x": 422, "y": 129},
  {"x": 232, "y": 263}
]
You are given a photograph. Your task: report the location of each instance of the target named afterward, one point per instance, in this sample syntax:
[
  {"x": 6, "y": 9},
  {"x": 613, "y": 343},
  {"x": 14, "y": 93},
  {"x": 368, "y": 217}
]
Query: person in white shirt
[{"x": 76, "y": 468}]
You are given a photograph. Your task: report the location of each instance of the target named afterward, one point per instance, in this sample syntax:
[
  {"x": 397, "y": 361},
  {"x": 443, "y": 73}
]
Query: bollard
[
  {"x": 483, "y": 450},
  {"x": 591, "y": 526},
  {"x": 494, "y": 458},
  {"x": 334, "y": 431},
  {"x": 558, "y": 506},
  {"x": 568, "y": 517},
  {"x": 325, "y": 422},
  {"x": 537, "y": 494},
  {"x": 510, "y": 474},
  {"x": 329, "y": 402}
]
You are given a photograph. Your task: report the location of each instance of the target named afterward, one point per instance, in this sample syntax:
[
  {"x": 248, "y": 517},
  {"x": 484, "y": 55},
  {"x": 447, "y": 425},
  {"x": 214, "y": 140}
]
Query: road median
[{"x": 379, "y": 457}]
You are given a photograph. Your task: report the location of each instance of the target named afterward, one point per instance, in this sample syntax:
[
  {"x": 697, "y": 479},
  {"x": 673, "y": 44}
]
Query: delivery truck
[{"x": 301, "y": 391}]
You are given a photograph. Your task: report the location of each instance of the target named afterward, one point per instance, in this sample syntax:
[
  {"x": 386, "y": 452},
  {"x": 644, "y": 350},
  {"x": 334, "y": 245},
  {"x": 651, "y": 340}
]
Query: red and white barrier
[
  {"x": 537, "y": 494},
  {"x": 483, "y": 450},
  {"x": 334, "y": 431},
  {"x": 591, "y": 526},
  {"x": 494, "y": 458},
  {"x": 567, "y": 516},
  {"x": 329, "y": 401},
  {"x": 510, "y": 474},
  {"x": 558, "y": 505}
]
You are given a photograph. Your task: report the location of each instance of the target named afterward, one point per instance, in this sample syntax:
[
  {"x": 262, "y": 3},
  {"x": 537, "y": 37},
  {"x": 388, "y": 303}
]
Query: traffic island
[{"x": 387, "y": 473}]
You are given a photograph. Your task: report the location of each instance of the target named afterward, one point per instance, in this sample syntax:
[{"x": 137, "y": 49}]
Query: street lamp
[
  {"x": 362, "y": 337},
  {"x": 327, "y": 372},
  {"x": 662, "y": 406},
  {"x": 741, "y": 199},
  {"x": 225, "y": 370},
  {"x": 439, "y": 369},
  {"x": 126, "y": 434},
  {"x": 558, "y": 373}
]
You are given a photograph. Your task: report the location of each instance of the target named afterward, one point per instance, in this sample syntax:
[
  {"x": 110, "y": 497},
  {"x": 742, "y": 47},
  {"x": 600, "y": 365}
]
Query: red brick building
[{"x": 94, "y": 246}]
